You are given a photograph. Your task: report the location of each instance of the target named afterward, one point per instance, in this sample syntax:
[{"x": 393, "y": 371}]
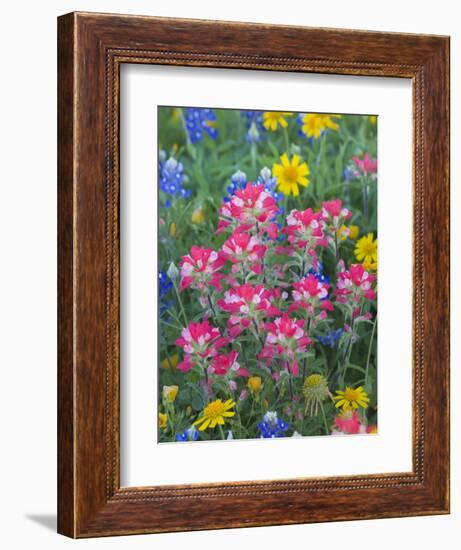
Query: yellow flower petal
[
  {"x": 285, "y": 161},
  {"x": 303, "y": 181},
  {"x": 303, "y": 169},
  {"x": 295, "y": 160},
  {"x": 204, "y": 426}
]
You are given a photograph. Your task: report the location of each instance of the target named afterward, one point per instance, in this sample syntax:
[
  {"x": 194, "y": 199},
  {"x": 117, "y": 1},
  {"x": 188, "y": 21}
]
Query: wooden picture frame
[{"x": 92, "y": 48}]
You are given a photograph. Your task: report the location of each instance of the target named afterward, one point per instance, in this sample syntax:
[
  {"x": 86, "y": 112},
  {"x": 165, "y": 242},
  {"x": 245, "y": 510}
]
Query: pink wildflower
[
  {"x": 243, "y": 248},
  {"x": 222, "y": 364},
  {"x": 200, "y": 269},
  {"x": 246, "y": 303},
  {"x": 334, "y": 213},
  {"x": 305, "y": 229},
  {"x": 348, "y": 422},
  {"x": 248, "y": 208},
  {"x": 355, "y": 284},
  {"x": 285, "y": 339},
  {"x": 200, "y": 341},
  {"x": 311, "y": 294},
  {"x": 367, "y": 165}
]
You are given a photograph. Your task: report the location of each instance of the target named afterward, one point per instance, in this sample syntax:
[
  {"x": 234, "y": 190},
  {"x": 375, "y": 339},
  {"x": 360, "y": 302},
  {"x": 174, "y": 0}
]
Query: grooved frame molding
[{"x": 91, "y": 48}]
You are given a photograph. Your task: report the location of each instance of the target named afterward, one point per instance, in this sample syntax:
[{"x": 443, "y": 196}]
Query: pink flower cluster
[
  {"x": 309, "y": 231},
  {"x": 286, "y": 338},
  {"x": 200, "y": 342},
  {"x": 243, "y": 251},
  {"x": 243, "y": 287},
  {"x": 311, "y": 294},
  {"x": 248, "y": 208},
  {"x": 367, "y": 165},
  {"x": 247, "y": 304},
  {"x": 201, "y": 268},
  {"x": 354, "y": 284}
]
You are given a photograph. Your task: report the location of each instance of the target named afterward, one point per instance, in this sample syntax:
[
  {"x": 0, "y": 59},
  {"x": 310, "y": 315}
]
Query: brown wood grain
[{"x": 91, "y": 49}]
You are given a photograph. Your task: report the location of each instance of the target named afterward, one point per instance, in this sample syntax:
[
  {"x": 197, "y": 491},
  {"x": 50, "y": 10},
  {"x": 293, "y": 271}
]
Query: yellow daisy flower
[
  {"x": 290, "y": 174},
  {"x": 214, "y": 413},
  {"x": 162, "y": 420},
  {"x": 170, "y": 362},
  {"x": 373, "y": 119},
  {"x": 351, "y": 398},
  {"x": 313, "y": 125},
  {"x": 170, "y": 393},
  {"x": 366, "y": 249},
  {"x": 272, "y": 119},
  {"x": 254, "y": 383},
  {"x": 172, "y": 229}
]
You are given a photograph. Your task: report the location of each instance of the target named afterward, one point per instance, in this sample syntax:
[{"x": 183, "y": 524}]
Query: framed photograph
[{"x": 253, "y": 275}]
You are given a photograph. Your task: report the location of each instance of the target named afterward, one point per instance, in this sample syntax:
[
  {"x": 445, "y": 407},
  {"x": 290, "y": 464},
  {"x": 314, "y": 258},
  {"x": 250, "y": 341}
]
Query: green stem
[
  {"x": 369, "y": 352},
  {"x": 336, "y": 247},
  {"x": 254, "y": 153},
  {"x": 212, "y": 307},
  {"x": 260, "y": 340},
  {"x": 221, "y": 431},
  {"x": 325, "y": 423},
  {"x": 180, "y": 302},
  {"x": 287, "y": 140},
  {"x": 365, "y": 199},
  {"x": 177, "y": 327}
]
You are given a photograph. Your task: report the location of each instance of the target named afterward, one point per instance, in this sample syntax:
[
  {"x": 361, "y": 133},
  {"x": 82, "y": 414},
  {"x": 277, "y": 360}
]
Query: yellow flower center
[
  {"x": 214, "y": 409},
  {"x": 351, "y": 395},
  {"x": 291, "y": 174},
  {"x": 369, "y": 248},
  {"x": 314, "y": 380}
]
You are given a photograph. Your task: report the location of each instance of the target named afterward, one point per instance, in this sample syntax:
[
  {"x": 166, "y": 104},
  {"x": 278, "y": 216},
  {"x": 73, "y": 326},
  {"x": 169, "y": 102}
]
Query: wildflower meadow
[{"x": 268, "y": 261}]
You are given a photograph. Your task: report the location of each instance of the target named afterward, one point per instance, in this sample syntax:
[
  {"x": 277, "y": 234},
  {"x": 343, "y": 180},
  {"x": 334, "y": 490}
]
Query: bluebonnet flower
[
  {"x": 270, "y": 183},
  {"x": 172, "y": 178},
  {"x": 330, "y": 338},
  {"x": 238, "y": 181},
  {"x": 198, "y": 121},
  {"x": 190, "y": 434},
  {"x": 254, "y": 116},
  {"x": 272, "y": 426},
  {"x": 165, "y": 285},
  {"x": 254, "y": 125}
]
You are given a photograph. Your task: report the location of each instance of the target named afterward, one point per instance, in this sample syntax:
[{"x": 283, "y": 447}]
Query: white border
[{"x": 143, "y": 461}]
